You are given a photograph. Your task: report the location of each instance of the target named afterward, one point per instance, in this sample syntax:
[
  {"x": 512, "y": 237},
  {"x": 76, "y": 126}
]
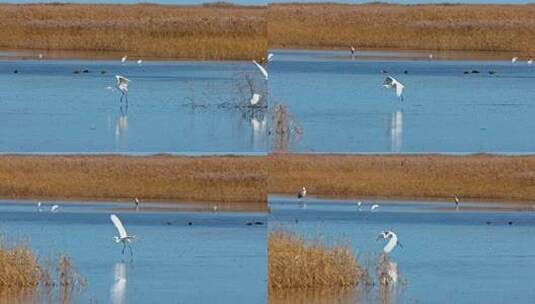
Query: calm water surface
[
  {"x": 342, "y": 107},
  {"x": 466, "y": 256},
  {"x": 219, "y": 258},
  {"x": 184, "y": 107}
]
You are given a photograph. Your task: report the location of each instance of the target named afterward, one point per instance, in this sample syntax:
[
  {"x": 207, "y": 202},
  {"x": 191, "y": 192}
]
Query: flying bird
[
  {"x": 392, "y": 239},
  {"x": 123, "y": 236},
  {"x": 374, "y": 207},
  {"x": 122, "y": 85},
  {"x": 261, "y": 68},
  {"x": 391, "y": 83},
  {"x": 54, "y": 208},
  {"x": 255, "y": 99}
]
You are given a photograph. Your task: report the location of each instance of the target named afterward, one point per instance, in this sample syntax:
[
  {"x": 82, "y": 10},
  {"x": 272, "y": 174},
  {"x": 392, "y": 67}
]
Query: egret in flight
[
  {"x": 261, "y": 68},
  {"x": 392, "y": 83},
  {"x": 122, "y": 85},
  {"x": 392, "y": 239},
  {"x": 54, "y": 208},
  {"x": 255, "y": 99},
  {"x": 123, "y": 236},
  {"x": 374, "y": 207}
]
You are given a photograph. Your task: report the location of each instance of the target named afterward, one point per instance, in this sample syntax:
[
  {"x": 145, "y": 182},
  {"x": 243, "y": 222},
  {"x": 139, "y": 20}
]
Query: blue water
[
  {"x": 342, "y": 107},
  {"x": 185, "y": 107},
  {"x": 217, "y": 259},
  {"x": 466, "y": 256}
]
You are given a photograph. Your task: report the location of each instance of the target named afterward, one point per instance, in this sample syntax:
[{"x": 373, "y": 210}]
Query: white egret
[
  {"x": 261, "y": 68},
  {"x": 41, "y": 56},
  {"x": 139, "y": 61},
  {"x": 255, "y": 99},
  {"x": 392, "y": 83},
  {"x": 123, "y": 236},
  {"x": 214, "y": 208},
  {"x": 54, "y": 208},
  {"x": 457, "y": 201},
  {"x": 122, "y": 85},
  {"x": 430, "y": 56},
  {"x": 359, "y": 205},
  {"x": 353, "y": 50},
  {"x": 514, "y": 59},
  {"x": 270, "y": 57},
  {"x": 123, "y": 60},
  {"x": 39, "y": 204},
  {"x": 136, "y": 201},
  {"x": 374, "y": 207},
  {"x": 530, "y": 61},
  {"x": 392, "y": 239},
  {"x": 302, "y": 193}
]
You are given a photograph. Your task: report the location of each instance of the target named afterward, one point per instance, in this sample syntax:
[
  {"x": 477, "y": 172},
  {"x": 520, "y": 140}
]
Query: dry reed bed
[
  {"x": 434, "y": 27},
  {"x": 218, "y": 178},
  {"x": 18, "y": 268},
  {"x": 295, "y": 264},
  {"x": 219, "y": 32},
  {"x": 411, "y": 176}
]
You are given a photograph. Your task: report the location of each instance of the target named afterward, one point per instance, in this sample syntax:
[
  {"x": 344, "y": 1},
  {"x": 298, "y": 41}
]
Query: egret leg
[
  {"x": 122, "y": 95},
  {"x": 131, "y": 252},
  {"x": 124, "y": 247}
]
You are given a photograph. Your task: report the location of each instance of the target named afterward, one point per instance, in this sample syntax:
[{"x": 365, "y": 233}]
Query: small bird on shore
[
  {"x": 457, "y": 202},
  {"x": 261, "y": 68},
  {"x": 359, "y": 205},
  {"x": 39, "y": 204},
  {"x": 41, "y": 56},
  {"x": 136, "y": 201},
  {"x": 430, "y": 56},
  {"x": 391, "y": 83},
  {"x": 374, "y": 207},
  {"x": 139, "y": 61},
  {"x": 514, "y": 59},
  {"x": 530, "y": 61},
  {"x": 54, "y": 208},
  {"x": 302, "y": 193},
  {"x": 353, "y": 51},
  {"x": 392, "y": 240},
  {"x": 122, "y": 86},
  {"x": 123, "y": 60},
  {"x": 123, "y": 236}
]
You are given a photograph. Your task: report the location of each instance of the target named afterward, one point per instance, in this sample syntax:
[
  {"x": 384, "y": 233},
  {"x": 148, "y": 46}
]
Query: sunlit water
[
  {"x": 218, "y": 258},
  {"x": 481, "y": 253},
  {"x": 182, "y": 107},
  {"x": 342, "y": 106}
]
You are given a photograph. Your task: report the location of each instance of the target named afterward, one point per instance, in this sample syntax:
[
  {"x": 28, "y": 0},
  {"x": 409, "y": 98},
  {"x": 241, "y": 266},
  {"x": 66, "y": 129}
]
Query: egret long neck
[{"x": 391, "y": 244}]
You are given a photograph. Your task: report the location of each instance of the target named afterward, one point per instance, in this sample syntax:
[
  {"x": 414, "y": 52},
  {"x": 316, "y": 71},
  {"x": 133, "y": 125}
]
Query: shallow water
[
  {"x": 463, "y": 256},
  {"x": 342, "y": 107},
  {"x": 182, "y": 107},
  {"x": 219, "y": 258}
]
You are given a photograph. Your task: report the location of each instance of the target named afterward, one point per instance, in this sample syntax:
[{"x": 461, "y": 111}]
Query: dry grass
[
  {"x": 219, "y": 32},
  {"x": 221, "y": 179},
  {"x": 412, "y": 176},
  {"x": 19, "y": 268},
  {"x": 293, "y": 263},
  {"x": 434, "y": 27}
]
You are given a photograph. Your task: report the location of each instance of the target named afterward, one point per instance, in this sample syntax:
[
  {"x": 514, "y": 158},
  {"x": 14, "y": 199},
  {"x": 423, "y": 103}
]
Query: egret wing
[
  {"x": 261, "y": 68},
  {"x": 120, "y": 228}
]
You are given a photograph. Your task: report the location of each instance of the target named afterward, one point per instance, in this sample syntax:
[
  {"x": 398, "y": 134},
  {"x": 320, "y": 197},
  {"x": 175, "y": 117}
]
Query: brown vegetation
[
  {"x": 19, "y": 268},
  {"x": 404, "y": 176},
  {"x": 220, "y": 32},
  {"x": 435, "y": 27},
  {"x": 217, "y": 178},
  {"x": 293, "y": 263}
]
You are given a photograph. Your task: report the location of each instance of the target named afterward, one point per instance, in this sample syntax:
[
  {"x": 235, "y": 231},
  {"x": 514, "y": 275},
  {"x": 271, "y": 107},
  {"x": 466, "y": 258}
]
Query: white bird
[
  {"x": 392, "y": 240},
  {"x": 122, "y": 85},
  {"x": 139, "y": 61},
  {"x": 514, "y": 59},
  {"x": 261, "y": 68},
  {"x": 457, "y": 202},
  {"x": 123, "y": 60},
  {"x": 530, "y": 61},
  {"x": 374, "y": 206},
  {"x": 359, "y": 204},
  {"x": 40, "y": 56},
  {"x": 214, "y": 208},
  {"x": 430, "y": 56},
  {"x": 123, "y": 236},
  {"x": 392, "y": 83},
  {"x": 54, "y": 208},
  {"x": 136, "y": 201},
  {"x": 353, "y": 50},
  {"x": 302, "y": 193},
  {"x": 270, "y": 57},
  {"x": 255, "y": 99},
  {"x": 39, "y": 204}
]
